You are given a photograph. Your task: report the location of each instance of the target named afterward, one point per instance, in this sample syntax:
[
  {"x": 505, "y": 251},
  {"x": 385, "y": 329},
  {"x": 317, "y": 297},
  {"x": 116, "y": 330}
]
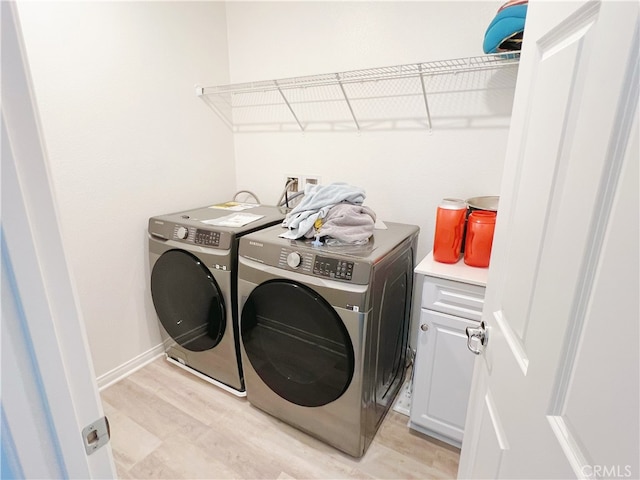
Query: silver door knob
[
  {"x": 424, "y": 327},
  {"x": 477, "y": 338}
]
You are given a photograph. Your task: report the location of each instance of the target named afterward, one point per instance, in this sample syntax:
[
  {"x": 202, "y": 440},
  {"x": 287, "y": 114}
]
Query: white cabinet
[{"x": 452, "y": 299}]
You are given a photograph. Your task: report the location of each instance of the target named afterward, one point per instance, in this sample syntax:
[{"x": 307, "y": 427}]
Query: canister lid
[
  {"x": 484, "y": 203},
  {"x": 453, "y": 204}
]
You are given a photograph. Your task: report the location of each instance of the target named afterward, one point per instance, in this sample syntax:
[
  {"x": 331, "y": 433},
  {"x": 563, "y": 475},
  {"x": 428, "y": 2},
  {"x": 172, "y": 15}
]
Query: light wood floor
[{"x": 167, "y": 423}]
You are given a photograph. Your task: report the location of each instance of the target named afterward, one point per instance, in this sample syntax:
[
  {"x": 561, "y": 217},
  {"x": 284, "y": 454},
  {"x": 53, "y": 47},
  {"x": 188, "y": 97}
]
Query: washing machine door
[
  {"x": 297, "y": 343},
  {"x": 188, "y": 300}
]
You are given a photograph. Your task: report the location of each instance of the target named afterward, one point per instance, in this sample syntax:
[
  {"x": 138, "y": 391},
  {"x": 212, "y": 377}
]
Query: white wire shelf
[{"x": 359, "y": 99}]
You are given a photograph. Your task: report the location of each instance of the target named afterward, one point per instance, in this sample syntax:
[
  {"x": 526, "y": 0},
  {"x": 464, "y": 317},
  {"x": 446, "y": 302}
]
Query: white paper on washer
[
  {"x": 235, "y": 206},
  {"x": 234, "y": 220}
]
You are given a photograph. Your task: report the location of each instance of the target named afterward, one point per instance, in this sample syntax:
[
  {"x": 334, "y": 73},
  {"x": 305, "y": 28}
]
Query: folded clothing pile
[
  {"x": 506, "y": 30},
  {"x": 333, "y": 210}
]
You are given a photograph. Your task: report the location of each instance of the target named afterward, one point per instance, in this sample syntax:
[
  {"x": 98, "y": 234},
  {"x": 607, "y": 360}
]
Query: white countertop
[{"x": 459, "y": 272}]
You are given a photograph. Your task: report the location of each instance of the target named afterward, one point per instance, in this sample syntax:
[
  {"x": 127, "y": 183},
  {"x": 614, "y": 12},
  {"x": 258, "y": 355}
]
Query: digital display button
[
  {"x": 207, "y": 238},
  {"x": 333, "y": 268}
]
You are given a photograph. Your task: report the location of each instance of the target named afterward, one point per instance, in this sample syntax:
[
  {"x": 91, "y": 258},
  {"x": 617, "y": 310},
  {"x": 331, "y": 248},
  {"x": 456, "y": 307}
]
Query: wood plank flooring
[{"x": 169, "y": 424}]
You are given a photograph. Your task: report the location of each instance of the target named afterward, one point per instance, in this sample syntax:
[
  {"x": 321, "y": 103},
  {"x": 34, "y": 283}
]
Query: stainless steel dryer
[
  {"x": 193, "y": 260},
  {"x": 325, "y": 330}
]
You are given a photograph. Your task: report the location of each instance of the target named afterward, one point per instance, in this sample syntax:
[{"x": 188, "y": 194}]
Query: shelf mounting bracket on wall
[
  {"x": 346, "y": 99},
  {"x": 288, "y": 105},
  {"x": 424, "y": 95}
]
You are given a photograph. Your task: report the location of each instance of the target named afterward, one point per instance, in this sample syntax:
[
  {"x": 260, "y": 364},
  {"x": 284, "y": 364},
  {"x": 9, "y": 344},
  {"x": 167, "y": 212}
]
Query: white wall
[
  {"x": 127, "y": 139},
  {"x": 405, "y": 173}
]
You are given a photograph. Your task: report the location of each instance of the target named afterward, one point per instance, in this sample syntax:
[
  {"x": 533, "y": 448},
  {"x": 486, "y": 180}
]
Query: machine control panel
[
  {"x": 162, "y": 230},
  {"x": 208, "y": 238},
  {"x": 333, "y": 268},
  {"x": 309, "y": 262}
]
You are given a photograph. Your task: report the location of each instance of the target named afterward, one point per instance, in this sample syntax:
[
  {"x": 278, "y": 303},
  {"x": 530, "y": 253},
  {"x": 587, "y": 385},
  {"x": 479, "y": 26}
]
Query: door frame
[{"x": 45, "y": 332}]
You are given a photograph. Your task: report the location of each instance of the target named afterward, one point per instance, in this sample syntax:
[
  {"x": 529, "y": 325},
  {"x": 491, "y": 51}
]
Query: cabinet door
[{"x": 442, "y": 377}]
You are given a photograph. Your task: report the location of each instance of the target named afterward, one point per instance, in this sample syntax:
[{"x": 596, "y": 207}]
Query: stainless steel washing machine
[
  {"x": 193, "y": 260},
  {"x": 325, "y": 330}
]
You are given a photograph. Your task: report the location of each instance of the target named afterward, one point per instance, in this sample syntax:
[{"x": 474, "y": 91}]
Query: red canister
[
  {"x": 480, "y": 227},
  {"x": 449, "y": 227}
]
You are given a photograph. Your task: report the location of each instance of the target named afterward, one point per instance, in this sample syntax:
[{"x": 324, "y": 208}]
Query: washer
[
  {"x": 325, "y": 330},
  {"x": 193, "y": 261}
]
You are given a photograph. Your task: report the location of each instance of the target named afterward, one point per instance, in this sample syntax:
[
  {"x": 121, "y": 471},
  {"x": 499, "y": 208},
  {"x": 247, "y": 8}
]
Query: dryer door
[
  {"x": 188, "y": 300},
  {"x": 297, "y": 343}
]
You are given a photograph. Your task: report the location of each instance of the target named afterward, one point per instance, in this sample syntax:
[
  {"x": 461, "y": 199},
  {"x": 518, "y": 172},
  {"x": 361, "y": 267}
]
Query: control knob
[
  {"x": 182, "y": 233},
  {"x": 294, "y": 259}
]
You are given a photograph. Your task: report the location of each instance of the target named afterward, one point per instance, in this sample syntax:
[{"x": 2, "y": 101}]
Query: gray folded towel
[
  {"x": 317, "y": 201},
  {"x": 347, "y": 223}
]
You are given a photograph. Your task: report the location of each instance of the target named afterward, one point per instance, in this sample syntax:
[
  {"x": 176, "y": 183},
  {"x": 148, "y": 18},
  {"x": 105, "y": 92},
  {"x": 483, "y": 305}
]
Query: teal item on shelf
[{"x": 507, "y": 23}]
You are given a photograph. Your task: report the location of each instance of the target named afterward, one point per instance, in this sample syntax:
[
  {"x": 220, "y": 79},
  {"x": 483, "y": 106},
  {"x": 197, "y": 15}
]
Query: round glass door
[
  {"x": 188, "y": 300},
  {"x": 297, "y": 343}
]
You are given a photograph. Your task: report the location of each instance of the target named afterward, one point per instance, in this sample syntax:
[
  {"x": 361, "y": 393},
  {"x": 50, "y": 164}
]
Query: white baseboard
[{"x": 129, "y": 367}]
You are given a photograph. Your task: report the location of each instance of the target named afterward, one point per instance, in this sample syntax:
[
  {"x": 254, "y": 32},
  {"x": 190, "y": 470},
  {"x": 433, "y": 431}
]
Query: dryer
[
  {"x": 325, "y": 330},
  {"x": 193, "y": 261}
]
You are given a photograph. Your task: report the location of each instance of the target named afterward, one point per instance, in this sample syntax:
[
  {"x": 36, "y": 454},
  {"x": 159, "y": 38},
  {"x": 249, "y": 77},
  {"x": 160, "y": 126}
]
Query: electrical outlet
[
  {"x": 310, "y": 180},
  {"x": 294, "y": 183},
  {"x": 298, "y": 182}
]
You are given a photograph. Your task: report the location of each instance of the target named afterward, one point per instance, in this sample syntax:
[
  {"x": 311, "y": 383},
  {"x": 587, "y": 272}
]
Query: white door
[
  {"x": 555, "y": 394},
  {"x": 49, "y": 391}
]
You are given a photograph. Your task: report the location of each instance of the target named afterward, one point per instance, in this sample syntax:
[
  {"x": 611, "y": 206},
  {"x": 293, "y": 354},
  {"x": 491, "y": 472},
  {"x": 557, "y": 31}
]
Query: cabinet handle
[
  {"x": 477, "y": 338},
  {"x": 424, "y": 327}
]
